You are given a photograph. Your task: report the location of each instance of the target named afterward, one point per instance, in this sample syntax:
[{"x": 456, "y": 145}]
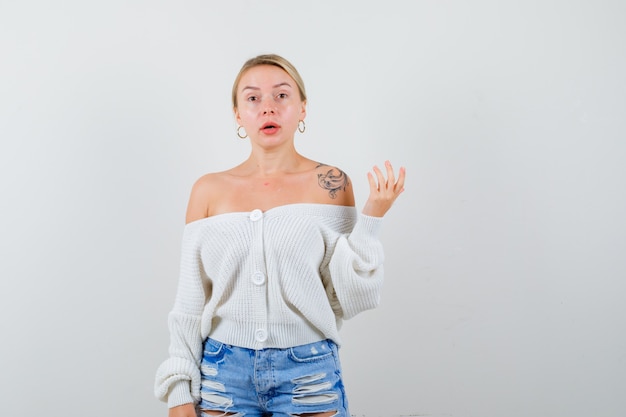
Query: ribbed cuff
[
  {"x": 367, "y": 226},
  {"x": 179, "y": 394}
]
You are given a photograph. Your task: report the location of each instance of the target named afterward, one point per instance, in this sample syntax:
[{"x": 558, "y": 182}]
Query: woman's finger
[
  {"x": 380, "y": 176},
  {"x": 391, "y": 178},
  {"x": 399, "y": 186},
  {"x": 372, "y": 181}
]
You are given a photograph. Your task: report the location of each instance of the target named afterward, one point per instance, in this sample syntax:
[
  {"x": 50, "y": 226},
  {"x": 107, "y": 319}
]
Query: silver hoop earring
[
  {"x": 301, "y": 126},
  {"x": 239, "y": 132}
]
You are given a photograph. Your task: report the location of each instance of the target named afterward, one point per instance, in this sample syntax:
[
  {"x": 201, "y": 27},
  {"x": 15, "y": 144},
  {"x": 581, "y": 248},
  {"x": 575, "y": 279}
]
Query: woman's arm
[{"x": 186, "y": 410}]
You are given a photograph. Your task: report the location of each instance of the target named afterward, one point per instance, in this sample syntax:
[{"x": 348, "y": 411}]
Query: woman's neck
[{"x": 269, "y": 164}]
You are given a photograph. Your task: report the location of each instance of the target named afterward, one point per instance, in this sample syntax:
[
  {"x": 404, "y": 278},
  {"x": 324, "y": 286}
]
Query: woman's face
[{"x": 269, "y": 105}]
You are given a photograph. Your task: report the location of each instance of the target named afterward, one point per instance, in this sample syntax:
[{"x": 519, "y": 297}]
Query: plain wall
[{"x": 505, "y": 257}]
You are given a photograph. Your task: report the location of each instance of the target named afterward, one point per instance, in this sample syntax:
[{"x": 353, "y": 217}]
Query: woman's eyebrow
[{"x": 249, "y": 87}]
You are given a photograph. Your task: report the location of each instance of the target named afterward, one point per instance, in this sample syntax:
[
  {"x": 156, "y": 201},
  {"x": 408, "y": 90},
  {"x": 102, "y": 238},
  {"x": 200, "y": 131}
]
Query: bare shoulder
[
  {"x": 202, "y": 193},
  {"x": 335, "y": 185}
]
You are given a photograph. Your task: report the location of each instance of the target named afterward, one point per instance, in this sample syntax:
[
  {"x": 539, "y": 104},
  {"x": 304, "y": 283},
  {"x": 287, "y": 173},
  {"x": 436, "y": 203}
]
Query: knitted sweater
[{"x": 279, "y": 278}]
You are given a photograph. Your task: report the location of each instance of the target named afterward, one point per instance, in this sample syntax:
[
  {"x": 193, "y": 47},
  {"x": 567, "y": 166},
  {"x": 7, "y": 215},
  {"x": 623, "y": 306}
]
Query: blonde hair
[{"x": 270, "y": 59}]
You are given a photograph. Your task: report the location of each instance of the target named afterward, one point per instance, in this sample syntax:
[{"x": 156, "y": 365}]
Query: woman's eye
[
  {"x": 252, "y": 98},
  {"x": 282, "y": 95}
]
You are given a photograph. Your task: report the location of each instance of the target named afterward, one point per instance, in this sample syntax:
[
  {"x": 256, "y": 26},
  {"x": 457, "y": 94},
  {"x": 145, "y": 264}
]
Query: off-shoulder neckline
[{"x": 302, "y": 208}]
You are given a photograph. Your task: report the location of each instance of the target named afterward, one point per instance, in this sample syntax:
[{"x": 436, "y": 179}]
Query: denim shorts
[{"x": 272, "y": 382}]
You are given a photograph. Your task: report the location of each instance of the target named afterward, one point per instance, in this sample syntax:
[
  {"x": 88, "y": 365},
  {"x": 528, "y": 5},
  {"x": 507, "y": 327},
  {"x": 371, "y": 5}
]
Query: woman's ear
[{"x": 303, "y": 110}]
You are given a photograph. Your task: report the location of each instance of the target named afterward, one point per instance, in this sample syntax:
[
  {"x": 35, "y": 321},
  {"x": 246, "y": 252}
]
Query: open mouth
[{"x": 270, "y": 127}]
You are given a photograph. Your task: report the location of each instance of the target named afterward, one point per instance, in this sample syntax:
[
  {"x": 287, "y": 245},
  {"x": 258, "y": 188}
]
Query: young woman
[{"x": 274, "y": 257}]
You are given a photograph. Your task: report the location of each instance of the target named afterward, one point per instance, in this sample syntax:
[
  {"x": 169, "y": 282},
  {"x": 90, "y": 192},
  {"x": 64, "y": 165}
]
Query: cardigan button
[
  {"x": 260, "y": 335},
  {"x": 256, "y": 214},
  {"x": 258, "y": 278}
]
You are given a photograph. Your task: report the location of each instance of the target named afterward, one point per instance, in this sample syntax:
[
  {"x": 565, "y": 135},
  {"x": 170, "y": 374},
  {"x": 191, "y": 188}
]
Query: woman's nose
[{"x": 269, "y": 107}]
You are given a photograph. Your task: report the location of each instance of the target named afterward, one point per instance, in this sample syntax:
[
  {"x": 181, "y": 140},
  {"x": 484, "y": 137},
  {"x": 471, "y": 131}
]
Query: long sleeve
[
  {"x": 356, "y": 267},
  {"x": 178, "y": 378}
]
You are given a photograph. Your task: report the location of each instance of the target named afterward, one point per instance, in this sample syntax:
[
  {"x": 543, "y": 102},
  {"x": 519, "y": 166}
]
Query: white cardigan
[{"x": 279, "y": 278}]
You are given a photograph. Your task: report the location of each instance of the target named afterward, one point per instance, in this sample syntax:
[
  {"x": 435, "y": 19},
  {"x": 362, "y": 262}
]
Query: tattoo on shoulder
[{"x": 332, "y": 180}]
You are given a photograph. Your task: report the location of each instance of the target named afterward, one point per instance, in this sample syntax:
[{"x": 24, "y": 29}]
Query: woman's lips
[{"x": 270, "y": 128}]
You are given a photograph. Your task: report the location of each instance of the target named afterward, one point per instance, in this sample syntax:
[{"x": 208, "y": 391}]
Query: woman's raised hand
[{"x": 383, "y": 192}]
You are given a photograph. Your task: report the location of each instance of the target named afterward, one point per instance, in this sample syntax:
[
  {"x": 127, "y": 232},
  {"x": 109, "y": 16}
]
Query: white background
[{"x": 505, "y": 291}]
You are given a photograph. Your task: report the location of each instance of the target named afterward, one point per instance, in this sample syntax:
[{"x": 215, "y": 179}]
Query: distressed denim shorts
[{"x": 272, "y": 382}]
